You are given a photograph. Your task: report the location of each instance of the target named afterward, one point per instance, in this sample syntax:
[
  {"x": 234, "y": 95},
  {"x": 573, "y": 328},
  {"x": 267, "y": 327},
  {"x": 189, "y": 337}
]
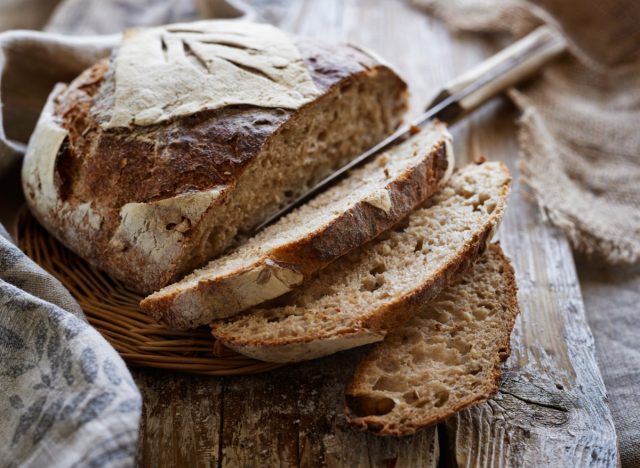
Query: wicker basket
[{"x": 113, "y": 310}]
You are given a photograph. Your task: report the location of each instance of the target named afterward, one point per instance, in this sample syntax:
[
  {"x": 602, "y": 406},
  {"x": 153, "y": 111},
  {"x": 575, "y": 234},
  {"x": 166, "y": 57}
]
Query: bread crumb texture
[
  {"x": 373, "y": 289},
  {"x": 149, "y": 186},
  {"x": 277, "y": 259},
  {"x": 445, "y": 358}
]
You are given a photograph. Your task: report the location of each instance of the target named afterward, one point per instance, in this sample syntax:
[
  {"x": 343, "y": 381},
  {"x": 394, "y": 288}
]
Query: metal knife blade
[{"x": 478, "y": 85}]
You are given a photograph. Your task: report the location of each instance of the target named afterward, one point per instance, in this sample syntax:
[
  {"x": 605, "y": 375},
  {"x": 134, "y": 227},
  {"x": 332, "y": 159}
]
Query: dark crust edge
[
  {"x": 353, "y": 228},
  {"x": 398, "y": 312},
  {"x": 485, "y": 392}
]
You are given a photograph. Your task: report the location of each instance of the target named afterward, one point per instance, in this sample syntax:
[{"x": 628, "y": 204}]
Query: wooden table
[{"x": 551, "y": 409}]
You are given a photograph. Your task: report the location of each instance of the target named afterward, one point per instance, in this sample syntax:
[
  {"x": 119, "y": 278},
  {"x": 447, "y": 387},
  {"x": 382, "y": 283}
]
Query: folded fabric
[
  {"x": 31, "y": 63},
  {"x": 578, "y": 133},
  {"x": 67, "y": 397}
]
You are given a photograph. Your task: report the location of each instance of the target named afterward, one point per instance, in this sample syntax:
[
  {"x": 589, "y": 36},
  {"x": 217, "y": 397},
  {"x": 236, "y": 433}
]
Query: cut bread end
[
  {"x": 446, "y": 358},
  {"x": 375, "y": 288},
  {"x": 283, "y": 255}
]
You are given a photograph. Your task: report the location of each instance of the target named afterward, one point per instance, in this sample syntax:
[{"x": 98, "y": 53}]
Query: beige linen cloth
[{"x": 580, "y": 153}]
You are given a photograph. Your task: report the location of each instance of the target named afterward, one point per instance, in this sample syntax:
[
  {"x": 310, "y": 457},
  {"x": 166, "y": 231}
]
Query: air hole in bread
[
  {"x": 402, "y": 225},
  {"x": 411, "y": 397},
  {"x": 447, "y": 356},
  {"x": 367, "y": 405},
  {"x": 419, "y": 245},
  {"x": 465, "y": 191},
  {"x": 438, "y": 315},
  {"x": 474, "y": 368},
  {"x": 418, "y": 355},
  {"x": 370, "y": 284},
  {"x": 441, "y": 397},
  {"x": 480, "y": 313},
  {"x": 375, "y": 427},
  {"x": 378, "y": 269},
  {"x": 462, "y": 346},
  {"x": 479, "y": 201},
  {"x": 490, "y": 206}
]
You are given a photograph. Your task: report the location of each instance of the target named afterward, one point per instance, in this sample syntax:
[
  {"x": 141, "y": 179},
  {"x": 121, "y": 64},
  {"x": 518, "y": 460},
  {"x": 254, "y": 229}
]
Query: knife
[{"x": 458, "y": 98}]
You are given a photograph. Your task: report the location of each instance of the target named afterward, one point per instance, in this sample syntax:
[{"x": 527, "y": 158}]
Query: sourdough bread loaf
[
  {"x": 447, "y": 357},
  {"x": 155, "y": 161},
  {"x": 358, "y": 298},
  {"x": 349, "y": 214}
]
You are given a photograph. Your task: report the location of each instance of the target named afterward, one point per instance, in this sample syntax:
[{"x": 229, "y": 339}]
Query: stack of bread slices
[{"x": 163, "y": 192}]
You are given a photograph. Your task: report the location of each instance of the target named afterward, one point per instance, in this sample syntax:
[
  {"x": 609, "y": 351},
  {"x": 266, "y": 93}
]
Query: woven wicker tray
[{"x": 113, "y": 310}]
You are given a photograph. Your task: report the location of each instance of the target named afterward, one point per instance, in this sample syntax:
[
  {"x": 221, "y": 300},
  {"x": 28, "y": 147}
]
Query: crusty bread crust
[
  {"x": 371, "y": 330},
  {"x": 140, "y": 203},
  {"x": 361, "y": 400},
  {"x": 376, "y": 323},
  {"x": 287, "y": 265}
]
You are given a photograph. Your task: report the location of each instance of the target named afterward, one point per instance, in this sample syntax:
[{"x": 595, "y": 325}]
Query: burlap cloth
[{"x": 579, "y": 131}]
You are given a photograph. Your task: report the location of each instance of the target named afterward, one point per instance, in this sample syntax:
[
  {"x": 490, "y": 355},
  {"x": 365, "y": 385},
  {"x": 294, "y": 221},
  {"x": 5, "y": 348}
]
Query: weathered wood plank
[
  {"x": 180, "y": 420},
  {"x": 259, "y": 425},
  {"x": 551, "y": 407},
  {"x": 293, "y": 417}
]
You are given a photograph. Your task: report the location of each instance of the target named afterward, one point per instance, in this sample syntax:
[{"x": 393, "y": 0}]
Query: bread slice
[
  {"x": 445, "y": 358},
  {"x": 360, "y": 297},
  {"x": 351, "y": 213}
]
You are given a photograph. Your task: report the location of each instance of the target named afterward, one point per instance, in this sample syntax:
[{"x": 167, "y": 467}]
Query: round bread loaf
[{"x": 155, "y": 161}]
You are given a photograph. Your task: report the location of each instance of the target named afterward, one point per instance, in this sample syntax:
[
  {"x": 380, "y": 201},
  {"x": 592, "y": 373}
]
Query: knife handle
[
  {"x": 499, "y": 72},
  {"x": 457, "y": 99}
]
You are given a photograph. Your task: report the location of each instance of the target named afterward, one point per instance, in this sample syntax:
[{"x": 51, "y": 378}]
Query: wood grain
[
  {"x": 551, "y": 408},
  {"x": 288, "y": 417},
  {"x": 181, "y": 419}
]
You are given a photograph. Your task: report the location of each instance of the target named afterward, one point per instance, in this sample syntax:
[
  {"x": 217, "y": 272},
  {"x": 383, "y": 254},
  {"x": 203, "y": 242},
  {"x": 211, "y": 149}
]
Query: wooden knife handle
[{"x": 499, "y": 72}]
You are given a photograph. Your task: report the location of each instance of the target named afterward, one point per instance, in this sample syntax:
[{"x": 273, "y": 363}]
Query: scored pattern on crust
[
  {"x": 149, "y": 204},
  {"x": 176, "y": 70}
]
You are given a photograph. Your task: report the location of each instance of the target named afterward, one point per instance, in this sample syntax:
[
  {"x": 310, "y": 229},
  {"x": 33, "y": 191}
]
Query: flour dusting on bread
[{"x": 176, "y": 70}]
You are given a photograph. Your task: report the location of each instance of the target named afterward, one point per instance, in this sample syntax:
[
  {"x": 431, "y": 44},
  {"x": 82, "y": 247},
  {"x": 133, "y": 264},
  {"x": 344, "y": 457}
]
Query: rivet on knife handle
[{"x": 463, "y": 95}]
